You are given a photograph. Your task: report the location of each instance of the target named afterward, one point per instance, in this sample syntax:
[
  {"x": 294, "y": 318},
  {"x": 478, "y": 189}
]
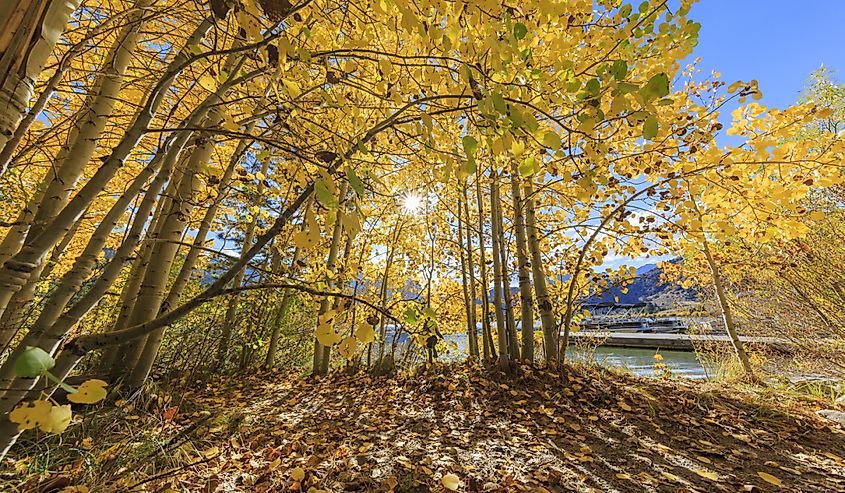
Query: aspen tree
[
  {"x": 469, "y": 298},
  {"x": 498, "y": 281},
  {"x": 510, "y": 319},
  {"x": 16, "y": 271},
  {"x": 526, "y": 301},
  {"x": 486, "y": 331},
  {"x": 322, "y": 352},
  {"x": 30, "y": 30},
  {"x": 538, "y": 274},
  {"x": 72, "y": 159},
  {"x": 472, "y": 289}
]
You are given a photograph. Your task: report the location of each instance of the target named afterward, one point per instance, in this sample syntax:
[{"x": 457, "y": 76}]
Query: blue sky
[{"x": 777, "y": 42}]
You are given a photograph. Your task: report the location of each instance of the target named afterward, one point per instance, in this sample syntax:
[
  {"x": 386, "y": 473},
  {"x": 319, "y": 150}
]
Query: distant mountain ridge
[{"x": 648, "y": 288}]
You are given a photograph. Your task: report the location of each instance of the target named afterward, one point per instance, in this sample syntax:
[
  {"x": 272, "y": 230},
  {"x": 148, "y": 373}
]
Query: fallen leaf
[
  {"x": 298, "y": 474},
  {"x": 769, "y": 478},
  {"x": 90, "y": 392},
  {"x": 707, "y": 474},
  {"x": 451, "y": 482}
]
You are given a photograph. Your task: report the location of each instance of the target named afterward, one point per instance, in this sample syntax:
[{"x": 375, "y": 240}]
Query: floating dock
[{"x": 676, "y": 342}]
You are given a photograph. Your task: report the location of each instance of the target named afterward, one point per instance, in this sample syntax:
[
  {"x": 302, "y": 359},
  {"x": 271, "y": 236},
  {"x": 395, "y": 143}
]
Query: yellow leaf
[
  {"x": 824, "y": 113},
  {"x": 292, "y": 88},
  {"x": 385, "y": 66},
  {"x": 90, "y": 392},
  {"x": 58, "y": 419},
  {"x": 451, "y": 482},
  {"x": 769, "y": 478},
  {"x": 310, "y": 235},
  {"x": 670, "y": 476},
  {"x": 346, "y": 348},
  {"x": 28, "y": 417},
  {"x": 707, "y": 474},
  {"x": 551, "y": 140},
  {"x": 351, "y": 224},
  {"x": 325, "y": 332},
  {"x": 210, "y": 452},
  {"x": 297, "y": 474},
  {"x": 365, "y": 333},
  {"x": 517, "y": 148},
  {"x": 274, "y": 464}
]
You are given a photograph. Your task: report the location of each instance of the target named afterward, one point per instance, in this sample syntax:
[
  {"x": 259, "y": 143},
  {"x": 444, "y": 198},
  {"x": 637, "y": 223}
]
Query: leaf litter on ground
[{"x": 454, "y": 428}]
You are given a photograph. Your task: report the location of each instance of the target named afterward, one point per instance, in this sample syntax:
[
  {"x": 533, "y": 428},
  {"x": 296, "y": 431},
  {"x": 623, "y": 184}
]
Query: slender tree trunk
[
  {"x": 469, "y": 302},
  {"x": 385, "y": 281},
  {"x": 471, "y": 271},
  {"x": 16, "y": 271},
  {"x": 321, "y": 353},
  {"x": 727, "y": 314},
  {"x": 327, "y": 350},
  {"x": 151, "y": 297},
  {"x": 510, "y": 322},
  {"x": 76, "y": 348},
  {"x": 486, "y": 329},
  {"x": 544, "y": 302},
  {"x": 526, "y": 301},
  {"x": 81, "y": 144},
  {"x": 498, "y": 281},
  {"x": 279, "y": 317}
]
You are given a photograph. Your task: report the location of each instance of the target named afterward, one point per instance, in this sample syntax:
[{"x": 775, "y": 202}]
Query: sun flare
[{"x": 411, "y": 203}]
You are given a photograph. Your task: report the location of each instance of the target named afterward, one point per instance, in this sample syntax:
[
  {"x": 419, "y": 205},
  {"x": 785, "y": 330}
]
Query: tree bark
[
  {"x": 496, "y": 234},
  {"x": 16, "y": 271},
  {"x": 29, "y": 31},
  {"x": 486, "y": 329},
  {"x": 320, "y": 364},
  {"x": 74, "y": 156},
  {"x": 544, "y": 302},
  {"x": 469, "y": 300},
  {"x": 510, "y": 322},
  {"x": 727, "y": 314},
  {"x": 526, "y": 301},
  {"x": 151, "y": 296}
]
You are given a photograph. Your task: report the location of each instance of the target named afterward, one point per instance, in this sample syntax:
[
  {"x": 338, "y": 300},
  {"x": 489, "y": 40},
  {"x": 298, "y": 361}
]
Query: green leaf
[
  {"x": 592, "y": 87},
  {"x": 650, "y": 127},
  {"x": 410, "y": 316},
  {"x": 519, "y": 30},
  {"x": 499, "y": 102},
  {"x": 551, "y": 140},
  {"x": 470, "y": 145},
  {"x": 34, "y": 362},
  {"x": 657, "y": 87},
  {"x": 527, "y": 168},
  {"x": 625, "y": 88},
  {"x": 324, "y": 195},
  {"x": 354, "y": 181},
  {"x": 619, "y": 69}
]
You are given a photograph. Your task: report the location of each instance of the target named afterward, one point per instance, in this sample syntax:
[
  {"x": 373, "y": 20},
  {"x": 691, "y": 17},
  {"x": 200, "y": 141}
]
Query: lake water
[{"x": 637, "y": 361}]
